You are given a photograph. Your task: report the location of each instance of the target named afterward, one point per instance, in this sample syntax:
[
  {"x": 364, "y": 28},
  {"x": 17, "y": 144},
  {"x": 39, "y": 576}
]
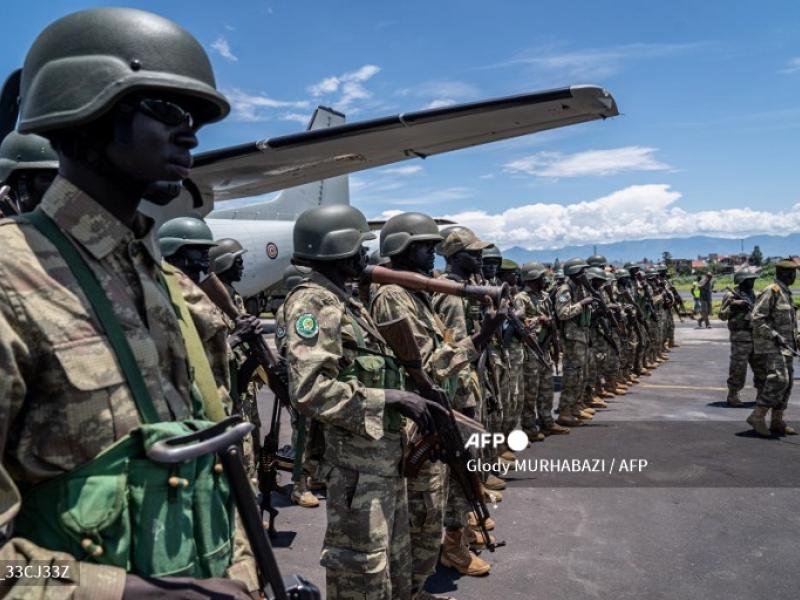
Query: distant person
[
  {"x": 696, "y": 296},
  {"x": 706, "y": 287}
]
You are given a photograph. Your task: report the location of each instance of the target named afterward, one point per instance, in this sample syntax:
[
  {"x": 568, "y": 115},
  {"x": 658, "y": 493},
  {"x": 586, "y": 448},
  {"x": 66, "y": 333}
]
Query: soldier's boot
[
  {"x": 456, "y": 555},
  {"x": 582, "y": 415},
  {"x": 733, "y": 397},
  {"x": 302, "y": 497},
  {"x": 597, "y": 403},
  {"x": 508, "y": 456},
  {"x": 492, "y": 496},
  {"x": 778, "y": 425},
  {"x": 472, "y": 522},
  {"x": 476, "y": 539},
  {"x": 756, "y": 421},
  {"x": 426, "y": 595},
  {"x": 605, "y": 393},
  {"x": 566, "y": 419},
  {"x": 584, "y": 408},
  {"x": 555, "y": 429},
  {"x": 494, "y": 483}
]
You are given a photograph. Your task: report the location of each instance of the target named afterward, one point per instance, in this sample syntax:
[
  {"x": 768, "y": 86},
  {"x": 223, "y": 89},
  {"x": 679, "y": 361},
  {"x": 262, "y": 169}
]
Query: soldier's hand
[
  {"x": 739, "y": 303},
  {"x": 544, "y": 320},
  {"x": 423, "y": 412},
  {"x": 586, "y": 301},
  {"x": 780, "y": 340},
  {"x": 247, "y": 328},
  {"x": 183, "y": 588}
]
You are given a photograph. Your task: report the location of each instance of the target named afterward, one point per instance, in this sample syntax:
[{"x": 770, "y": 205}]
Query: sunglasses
[{"x": 165, "y": 111}]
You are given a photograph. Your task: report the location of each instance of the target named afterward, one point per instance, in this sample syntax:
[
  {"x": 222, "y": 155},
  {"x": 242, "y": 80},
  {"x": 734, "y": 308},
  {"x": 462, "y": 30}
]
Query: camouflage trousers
[
  {"x": 628, "y": 352},
  {"x": 426, "y": 494},
  {"x": 607, "y": 363},
  {"x": 366, "y": 552},
  {"x": 591, "y": 379},
  {"x": 248, "y": 408},
  {"x": 538, "y": 404},
  {"x": 515, "y": 383},
  {"x": 496, "y": 384},
  {"x": 670, "y": 329},
  {"x": 652, "y": 348},
  {"x": 742, "y": 355},
  {"x": 777, "y": 386},
  {"x": 576, "y": 356}
]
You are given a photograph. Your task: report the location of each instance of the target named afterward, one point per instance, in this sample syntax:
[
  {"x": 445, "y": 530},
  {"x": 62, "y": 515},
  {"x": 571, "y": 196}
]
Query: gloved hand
[
  {"x": 183, "y": 588},
  {"x": 247, "y": 328},
  {"x": 423, "y": 412}
]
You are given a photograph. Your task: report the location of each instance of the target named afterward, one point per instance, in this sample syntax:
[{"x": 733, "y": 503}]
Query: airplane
[{"x": 311, "y": 167}]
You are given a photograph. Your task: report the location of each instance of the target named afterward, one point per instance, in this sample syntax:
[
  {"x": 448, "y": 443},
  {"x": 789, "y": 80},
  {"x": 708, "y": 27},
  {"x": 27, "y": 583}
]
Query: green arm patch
[{"x": 306, "y": 326}]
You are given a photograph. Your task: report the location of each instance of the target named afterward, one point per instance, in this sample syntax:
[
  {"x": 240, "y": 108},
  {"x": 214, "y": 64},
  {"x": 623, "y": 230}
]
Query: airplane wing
[{"x": 291, "y": 160}]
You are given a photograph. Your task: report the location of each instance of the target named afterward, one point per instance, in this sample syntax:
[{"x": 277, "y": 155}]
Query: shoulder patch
[
  {"x": 280, "y": 331},
  {"x": 563, "y": 297},
  {"x": 306, "y": 326}
]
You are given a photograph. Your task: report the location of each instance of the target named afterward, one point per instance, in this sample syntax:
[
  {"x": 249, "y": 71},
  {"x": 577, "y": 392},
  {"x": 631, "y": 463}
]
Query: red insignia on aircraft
[{"x": 272, "y": 250}]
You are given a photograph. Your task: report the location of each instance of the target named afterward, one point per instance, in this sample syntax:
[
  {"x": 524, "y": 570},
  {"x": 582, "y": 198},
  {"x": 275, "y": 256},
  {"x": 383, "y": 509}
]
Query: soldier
[
  {"x": 28, "y": 165},
  {"x": 572, "y": 308},
  {"x": 408, "y": 241},
  {"x": 706, "y": 287},
  {"x": 604, "y": 368},
  {"x": 510, "y": 273},
  {"x": 736, "y": 308},
  {"x": 632, "y": 339},
  {"x": 534, "y": 307},
  {"x": 342, "y": 374},
  {"x": 74, "y": 393},
  {"x": 775, "y": 345}
]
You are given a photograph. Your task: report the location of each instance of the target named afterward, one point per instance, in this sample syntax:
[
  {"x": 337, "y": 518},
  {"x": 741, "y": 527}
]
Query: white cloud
[
  {"x": 222, "y": 46},
  {"x": 406, "y": 170},
  {"x": 301, "y": 118},
  {"x": 590, "y": 162},
  {"x": 255, "y": 107},
  {"x": 441, "y": 93},
  {"x": 793, "y": 66},
  {"x": 349, "y": 85},
  {"x": 487, "y": 176},
  {"x": 635, "y": 212},
  {"x": 439, "y": 103},
  {"x": 422, "y": 197}
]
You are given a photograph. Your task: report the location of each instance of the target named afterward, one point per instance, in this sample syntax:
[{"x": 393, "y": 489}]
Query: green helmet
[
  {"x": 83, "y": 63},
  {"x": 293, "y": 275},
  {"x": 532, "y": 271},
  {"x": 403, "y": 229},
  {"x": 622, "y": 274},
  {"x": 743, "y": 275},
  {"x": 559, "y": 274},
  {"x": 633, "y": 268},
  {"x": 223, "y": 255},
  {"x": 330, "y": 232},
  {"x": 376, "y": 258},
  {"x": 661, "y": 269},
  {"x": 25, "y": 152},
  {"x": 595, "y": 273},
  {"x": 574, "y": 266},
  {"x": 597, "y": 260},
  {"x": 509, "y": 265},
  {"x": 492, "y": 253},
  {"x": 183, "y": 231},
  {"x": 651, "y": 272}
]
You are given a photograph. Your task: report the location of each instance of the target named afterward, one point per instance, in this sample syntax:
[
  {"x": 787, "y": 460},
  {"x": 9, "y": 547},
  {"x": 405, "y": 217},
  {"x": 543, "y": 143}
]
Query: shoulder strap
[
  {"x": 201, "y": 374},
  {"x": 104, "y": 312}
]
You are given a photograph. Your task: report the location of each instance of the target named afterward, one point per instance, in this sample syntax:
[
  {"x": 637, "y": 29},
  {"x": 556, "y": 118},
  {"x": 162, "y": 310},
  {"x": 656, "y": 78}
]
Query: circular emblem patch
[
  {"x": 272, "y": 250},
  {"x": 280, "y": 332},
  {"x": 306, "y": 325}
]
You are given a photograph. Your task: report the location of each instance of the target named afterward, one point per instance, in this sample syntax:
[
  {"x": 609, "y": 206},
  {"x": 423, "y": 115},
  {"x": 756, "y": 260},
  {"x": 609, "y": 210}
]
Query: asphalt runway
[{"x": 714, "y": 513}]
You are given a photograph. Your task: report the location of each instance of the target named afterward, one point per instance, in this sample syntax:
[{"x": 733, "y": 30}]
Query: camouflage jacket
[
  {"x": 323, "y": 324},
  {"x": 575, "y": 318},
  {"x": 774, "y": 314},
  {"x": 740, "y": 320},
  {"x": 63, "y": 397},
  {"x": 440, "y": 358}
]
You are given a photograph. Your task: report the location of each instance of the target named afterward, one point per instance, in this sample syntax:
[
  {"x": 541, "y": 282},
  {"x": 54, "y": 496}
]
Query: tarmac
[{"x": 665, "y": 494}]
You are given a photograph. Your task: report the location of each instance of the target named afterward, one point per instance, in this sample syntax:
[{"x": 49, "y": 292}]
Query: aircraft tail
[{"x": 289, "y": 203}]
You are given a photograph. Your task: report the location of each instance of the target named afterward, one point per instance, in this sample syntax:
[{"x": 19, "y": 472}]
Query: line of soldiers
[
  {"x": 763, "y": 334},
  {"x": 496, "y": 363}
]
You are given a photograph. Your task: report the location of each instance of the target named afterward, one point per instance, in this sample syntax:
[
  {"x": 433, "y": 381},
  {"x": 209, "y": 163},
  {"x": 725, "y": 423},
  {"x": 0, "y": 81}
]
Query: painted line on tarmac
[{"x": 682, "y": 387}]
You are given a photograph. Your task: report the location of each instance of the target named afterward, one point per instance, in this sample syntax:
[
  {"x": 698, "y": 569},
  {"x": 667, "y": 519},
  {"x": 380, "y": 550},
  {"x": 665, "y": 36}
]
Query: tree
[{"x": 756, "y": 258}]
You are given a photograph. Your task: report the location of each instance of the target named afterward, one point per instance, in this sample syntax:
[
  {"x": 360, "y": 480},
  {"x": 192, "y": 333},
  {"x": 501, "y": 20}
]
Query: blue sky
[{"x": 707, "y": 143}]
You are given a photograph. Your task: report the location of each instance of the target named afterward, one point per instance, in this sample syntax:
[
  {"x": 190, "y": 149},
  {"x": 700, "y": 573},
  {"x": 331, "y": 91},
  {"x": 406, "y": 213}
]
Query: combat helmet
[
  {"x": 743, "y": 275},
  {"x": 492, "y": 253},
  {"x": 82, "y": 64},
  {"x": 622, "y": 274},
  {"x": 330, "y": 232},
  {"x": 574, "y": 266},
  {"x": 183, "y": 231},
  {"x": 403, "y": 229},
  {"x": 20, "y": 152},
  {"x": 596, "y": 273},
  {"x": 532, "y": 271},
  {"x": 293, "y": 275},
  {"x": 224, "y": 254},
  {"x": 508, "y": 265},
  {"x": 378, "y": 259},
  {"x": 597, "y": 260}
]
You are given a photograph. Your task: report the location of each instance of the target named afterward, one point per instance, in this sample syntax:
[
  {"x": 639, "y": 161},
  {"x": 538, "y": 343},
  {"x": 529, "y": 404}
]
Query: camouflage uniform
[
  {"x": 63, "y": 390},
  {"x": 773, "y": 314},
  {"x": 575, "y": 320},
  {"x": 441, "y": 361},
  {"x": 515, "y": 382},
  {"x": 537, "y": 408},
  {"x": 366, "y": 549},
  {"x": 740, "y": 326}
]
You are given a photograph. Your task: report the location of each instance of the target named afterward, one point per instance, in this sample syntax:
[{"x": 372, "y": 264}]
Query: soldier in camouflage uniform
[
  {"x": 775, "y": 344},
  {"x": 28, "y": 165},
  {"x": 534, "y": 308},
  {"x": 572, "y": 306},
  {"x": 63, "y": 388},
  {"x": 630, "y": 340},
  {"x": 510, "y": 273},
  {"x": 342, "y": 374},
  {"x": 736, "y": 308},
  {"x": 408, "y": 240}
]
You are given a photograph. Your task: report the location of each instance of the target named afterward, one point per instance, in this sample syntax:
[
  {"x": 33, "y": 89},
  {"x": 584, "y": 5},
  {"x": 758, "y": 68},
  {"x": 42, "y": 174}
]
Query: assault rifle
[
  {"x": 278, "y": 382},
  {"x": 526, "y": 336},
  {"x": 604, "y": 317},
  {"x": 447, "y": 443},
  {"x": 737, "y": 296}
]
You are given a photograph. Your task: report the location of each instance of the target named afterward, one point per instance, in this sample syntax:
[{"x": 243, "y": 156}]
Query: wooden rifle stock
[{"x": 421, "y": 283}]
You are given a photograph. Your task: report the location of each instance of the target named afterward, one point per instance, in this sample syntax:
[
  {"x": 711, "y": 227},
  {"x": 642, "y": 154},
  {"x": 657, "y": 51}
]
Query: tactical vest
[
  {"x": 120, "y": 508},
  {"x": 741, "y": 320}
]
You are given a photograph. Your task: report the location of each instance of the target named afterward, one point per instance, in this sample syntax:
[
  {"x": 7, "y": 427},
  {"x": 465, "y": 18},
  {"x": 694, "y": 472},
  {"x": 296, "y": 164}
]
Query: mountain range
[{"x": 652, "y": 249}]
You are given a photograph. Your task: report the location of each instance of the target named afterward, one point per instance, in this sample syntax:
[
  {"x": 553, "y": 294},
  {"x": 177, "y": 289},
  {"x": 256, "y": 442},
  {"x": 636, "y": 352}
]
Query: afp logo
[{"x": 516, "y": 442}]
